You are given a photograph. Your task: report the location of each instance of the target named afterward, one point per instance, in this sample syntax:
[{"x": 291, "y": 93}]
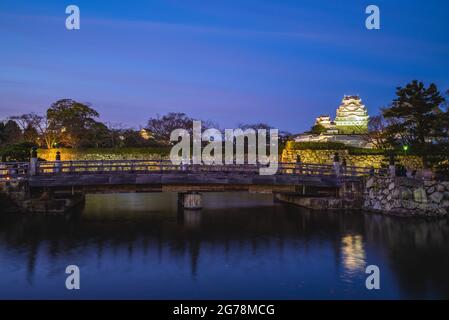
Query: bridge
[{"x": 43, "y": 184}]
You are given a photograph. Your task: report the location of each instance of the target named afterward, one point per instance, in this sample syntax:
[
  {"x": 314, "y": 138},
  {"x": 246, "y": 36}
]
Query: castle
[
  {"x": 352, "y": 118},
  {"x": 349, "y": 126}
]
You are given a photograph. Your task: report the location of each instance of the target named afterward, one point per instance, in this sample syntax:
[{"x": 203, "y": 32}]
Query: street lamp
[{"x": 405, "y": 148}]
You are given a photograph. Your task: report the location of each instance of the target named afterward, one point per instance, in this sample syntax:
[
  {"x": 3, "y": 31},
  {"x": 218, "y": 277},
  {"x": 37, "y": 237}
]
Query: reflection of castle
[{"x": 348, "y": 127}]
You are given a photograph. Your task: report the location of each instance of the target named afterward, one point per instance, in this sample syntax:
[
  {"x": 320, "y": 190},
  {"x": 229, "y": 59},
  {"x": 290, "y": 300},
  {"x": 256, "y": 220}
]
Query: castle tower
[
  {"x": 352, "y": 116},
  {"x": 324, "y": 120}
]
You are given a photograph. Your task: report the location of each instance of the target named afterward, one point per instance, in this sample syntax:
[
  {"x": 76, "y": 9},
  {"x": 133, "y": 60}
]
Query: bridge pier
[{"x": 190, "y": 200}]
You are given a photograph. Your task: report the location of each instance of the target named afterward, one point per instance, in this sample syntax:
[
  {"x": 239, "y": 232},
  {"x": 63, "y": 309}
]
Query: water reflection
[
  {"x": 237, "y": 246},
  {"x": 190, "y": 218},
  {"x": 353, "y": 255}
]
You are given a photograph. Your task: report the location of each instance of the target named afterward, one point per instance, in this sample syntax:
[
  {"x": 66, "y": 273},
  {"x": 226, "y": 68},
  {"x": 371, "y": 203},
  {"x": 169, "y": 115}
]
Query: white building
[{"x": 349, "y": 127}]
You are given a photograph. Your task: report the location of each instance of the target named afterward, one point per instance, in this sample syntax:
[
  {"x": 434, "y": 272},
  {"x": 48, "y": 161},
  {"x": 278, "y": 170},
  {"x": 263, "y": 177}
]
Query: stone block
[
  {"x": 377, "y": 206},
  {"x": 420, "y": 196},
  {"x": 436, "y": 197},
  {"x": 406, "y": 194},
  {"x": 432, "y": 209},
  {"x": 422, "y": 206},
  {"x": 408, "y": 204},
  {"x": 370, "y": 183},
  {"x": 429, "y": 183},
  {"x": 396, "y": 194}
]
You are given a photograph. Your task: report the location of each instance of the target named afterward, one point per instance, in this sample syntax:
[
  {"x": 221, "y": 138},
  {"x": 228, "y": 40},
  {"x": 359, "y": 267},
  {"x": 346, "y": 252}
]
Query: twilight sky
[{"x": 230, "y": 61}]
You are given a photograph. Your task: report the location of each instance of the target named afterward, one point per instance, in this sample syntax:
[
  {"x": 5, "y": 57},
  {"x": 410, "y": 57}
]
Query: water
[{"x": 240, "y": 246}]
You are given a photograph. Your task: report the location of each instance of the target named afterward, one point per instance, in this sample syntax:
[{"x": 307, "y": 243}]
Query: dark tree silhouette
[{"x": 414, "y": 117}]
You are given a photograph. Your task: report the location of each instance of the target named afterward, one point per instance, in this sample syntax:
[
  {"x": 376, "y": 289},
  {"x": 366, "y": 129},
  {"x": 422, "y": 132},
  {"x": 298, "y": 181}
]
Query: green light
[{"x": 405, "y": 148}]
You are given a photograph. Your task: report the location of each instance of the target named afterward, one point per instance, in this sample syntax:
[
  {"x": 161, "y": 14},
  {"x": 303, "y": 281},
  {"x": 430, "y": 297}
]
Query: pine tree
[{"x": 414, "y": 118}]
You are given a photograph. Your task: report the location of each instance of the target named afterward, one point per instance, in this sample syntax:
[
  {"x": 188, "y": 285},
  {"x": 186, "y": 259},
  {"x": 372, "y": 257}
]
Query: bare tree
[{"x": 40, "y": 124}]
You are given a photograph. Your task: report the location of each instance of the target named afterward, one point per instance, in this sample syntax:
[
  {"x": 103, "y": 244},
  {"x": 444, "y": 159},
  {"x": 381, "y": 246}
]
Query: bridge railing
[
  {"x": 22, "y": 169},
  {"x": 10, "y": 170},
  {"x": 140, "y": 166}
]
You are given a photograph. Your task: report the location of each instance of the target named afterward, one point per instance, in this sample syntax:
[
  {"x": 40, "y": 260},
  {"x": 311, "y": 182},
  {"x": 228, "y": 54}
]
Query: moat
[{"x": 239, "y": 246}]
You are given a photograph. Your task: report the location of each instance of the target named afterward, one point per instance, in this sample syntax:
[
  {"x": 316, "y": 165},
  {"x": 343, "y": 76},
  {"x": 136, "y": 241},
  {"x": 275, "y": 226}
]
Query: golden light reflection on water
[{"x": 353, "y": 255}]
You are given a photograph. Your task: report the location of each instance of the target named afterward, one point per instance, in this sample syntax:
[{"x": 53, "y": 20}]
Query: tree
[
  {"x": 255, "y": 126},
  {"x": 16, "y": 152},
  {"x": 28, "y": 122},
  {"x": 32, "y": 124},
  {"x": 162, "y": 126},
  {"x": 30, "y": 134},
  {"x": 115, "y": 132},
  {"x": 3, "y": 137},
  {"x": 132, "y": 138},
  {"x": 10, "y": 133},
  {"x": 73, "y": 121},
  {"x": 376, "y": 132},
  {"x": 318, "y": 129},
  {"x": 98, "y": 136},
  {"x": 414, "y": 117},
  {"x": 283, "y": 135}
]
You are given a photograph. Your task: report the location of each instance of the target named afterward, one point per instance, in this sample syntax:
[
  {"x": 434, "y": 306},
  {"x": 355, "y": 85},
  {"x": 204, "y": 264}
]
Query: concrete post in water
[
  {"x": 33, "y": 162},
  {"x": 58, "y": 163},
  {"x": 337, "y": 164},
  {"x": 190, "y": 200}
]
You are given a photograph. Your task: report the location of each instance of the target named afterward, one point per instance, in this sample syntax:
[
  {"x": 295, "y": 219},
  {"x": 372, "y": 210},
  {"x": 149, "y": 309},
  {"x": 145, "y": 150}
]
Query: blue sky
[{"x": 276, "y": 61}]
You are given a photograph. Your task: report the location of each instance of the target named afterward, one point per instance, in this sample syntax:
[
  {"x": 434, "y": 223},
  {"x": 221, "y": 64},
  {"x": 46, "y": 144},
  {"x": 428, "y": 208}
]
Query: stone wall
[
  {"x": 16, "y": 198},
  {"x": 407, "y": 196},
  {"x": 327, "y": 156},
  {"x": 68, "y": 154}
]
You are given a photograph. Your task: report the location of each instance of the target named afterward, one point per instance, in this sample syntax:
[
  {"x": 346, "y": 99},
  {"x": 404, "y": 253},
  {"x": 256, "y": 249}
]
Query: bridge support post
[
  {"x": 33, "y": 162},
  {"x": 58, "y": 163},
  {"x": 190, "y": 200}
]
